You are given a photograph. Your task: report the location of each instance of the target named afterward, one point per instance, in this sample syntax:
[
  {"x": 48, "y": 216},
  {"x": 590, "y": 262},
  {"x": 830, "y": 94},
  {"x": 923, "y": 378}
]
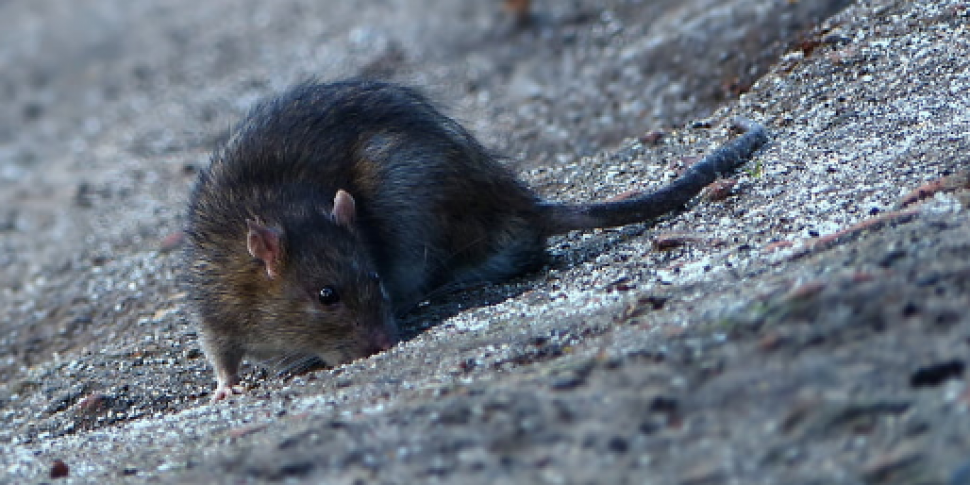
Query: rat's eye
[
  {"x": 328, "y": 295},
  {"x": 374, "y": 276}
]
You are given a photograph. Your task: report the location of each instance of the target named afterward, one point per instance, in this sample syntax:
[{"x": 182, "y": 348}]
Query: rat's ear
[
  {"x": 263, "y": 243},
  {"x": 344, "y": 209}
]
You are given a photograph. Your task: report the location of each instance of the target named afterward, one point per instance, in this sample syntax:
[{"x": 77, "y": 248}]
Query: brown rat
[{"x": 335, "y": 206}]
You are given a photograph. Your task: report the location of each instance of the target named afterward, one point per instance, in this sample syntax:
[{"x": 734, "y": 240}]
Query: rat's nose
[
  {"x": 381, "y": 337},
  {"x": 383, "y": 341}
]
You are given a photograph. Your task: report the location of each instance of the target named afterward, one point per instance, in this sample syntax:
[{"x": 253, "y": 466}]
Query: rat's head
[{"x": 320, "y": 294}]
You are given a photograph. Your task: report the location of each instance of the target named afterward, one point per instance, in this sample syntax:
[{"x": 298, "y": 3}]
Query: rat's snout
[
  {"x": 381, "y": 337},
  {"x": 383, "y": 341},
  {"x": 379, "y": 342},
  {"x": 387, "y": 337}
]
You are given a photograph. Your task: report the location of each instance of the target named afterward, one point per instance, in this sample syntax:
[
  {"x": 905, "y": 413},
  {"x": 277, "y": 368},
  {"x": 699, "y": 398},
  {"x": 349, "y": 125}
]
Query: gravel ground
[{"x": 810, "y": 328}]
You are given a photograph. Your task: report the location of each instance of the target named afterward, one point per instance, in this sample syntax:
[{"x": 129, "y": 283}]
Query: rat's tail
[{"x": 561, "y": 218}]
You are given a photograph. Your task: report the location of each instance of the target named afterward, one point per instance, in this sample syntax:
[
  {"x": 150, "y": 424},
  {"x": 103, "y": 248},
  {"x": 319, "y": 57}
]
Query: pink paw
[{"x": 224, "y": 391}]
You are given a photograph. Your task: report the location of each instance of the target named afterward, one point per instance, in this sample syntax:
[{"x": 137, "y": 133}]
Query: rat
[{"x": 335, "y": 207}]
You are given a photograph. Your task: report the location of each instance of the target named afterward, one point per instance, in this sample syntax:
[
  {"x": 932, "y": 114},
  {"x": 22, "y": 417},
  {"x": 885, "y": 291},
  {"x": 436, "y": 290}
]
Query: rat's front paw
[
  {"x": 227, "y": 379},
  {"x": 224, "y": 391}
]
